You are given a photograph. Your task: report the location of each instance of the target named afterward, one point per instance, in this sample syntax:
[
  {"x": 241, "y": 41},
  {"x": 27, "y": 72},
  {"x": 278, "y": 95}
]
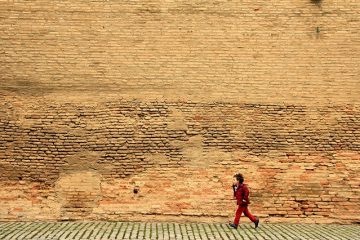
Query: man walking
[{"x": 241, "y": 193}]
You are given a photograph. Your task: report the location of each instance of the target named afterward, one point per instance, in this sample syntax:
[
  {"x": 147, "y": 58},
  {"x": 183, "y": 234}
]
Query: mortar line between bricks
[
  {"x": 44, "y": 230},
  {"x": 63, "y": 226},
  {"x": 147, "y": 232},
  {"x": 152, "y": 231},
  {"x": 169, "y": 229},
  {"x": 285, "y": 234},
  {"x": 140, "y": 229},
  {"x": 66, "y": 226},
  {"x": 118, "y": 230},
  {"x": 36, "y": 231},
  {"x": 202, "y": 231},
  {"x": 11, "y": 230},
  {"x": 66, "y": 229},
  {"x": 102, "y": 230},
  {"x": 177, "y": 231},
  {"x": 215, "y": 231},
  {"x": 317, "y": 230},
  {"x": 164, "y": 230},
  {"x": 342, "y": 233},
  {"x": 80, "y": 233},
  {"x": 245, "y": 229},
  {"x": 87, "y": 230},
  {"x": 154, "y": 234},
  {"x": 108, "y": 230},
  {"x": 125, "y": 230},
  {"x": 324, "y": 232},
  {"x": 191, "y": 231},
  {"x": 196, "y": 228},
  {"x": 198, "y": 231},
  {"x": 182, "y": 231},
  {"x": 75, "y": 230},
  {"x": 95, "y": 229},
  {"x": 22, "y": 231},
  {"x": 130, "y": 232},
  {"x": 79, "y": 230},
  {"x": 269, "y": 232},
  {"x": 5, "y": 225},
  {"x": 112, "y": 229},
  {"x": 233, "y": 231},
  {"x": 188, "y": 231},
  {"x": 57, "y": 228},
  {"x": 172, "y": 228},
  {"x": 144, "y": 228},
  {"x": 32, "y": 229},
  {"x": 51, "y": 230},
  {"x": 70, "y": 231},
  {"x": 308, "y": 233},
  {"x": 221, "y": 225},
  {"x": 208, "y": 230},
  {"x": 157, "y": 230},
  {"x": 353, "y": 232},
  {"x": 345, "y": 232},
  {"x": 303, "y": 230},
  {"x": 134, "y": 231},
  {"x": 222, "y": 235}
]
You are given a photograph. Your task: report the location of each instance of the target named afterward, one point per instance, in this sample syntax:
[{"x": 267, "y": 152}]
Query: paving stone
[{"x": 163, "y": 231}]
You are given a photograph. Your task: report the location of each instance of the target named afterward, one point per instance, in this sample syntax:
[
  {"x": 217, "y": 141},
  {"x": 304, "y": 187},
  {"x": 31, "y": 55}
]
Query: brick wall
[{"x": 170, "y": 99}]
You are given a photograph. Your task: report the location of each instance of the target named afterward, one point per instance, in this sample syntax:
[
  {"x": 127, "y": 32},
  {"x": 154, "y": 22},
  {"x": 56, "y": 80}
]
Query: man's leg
[
  {"x": 238, "y": 213},
  {"x": 249, "y": 215}
]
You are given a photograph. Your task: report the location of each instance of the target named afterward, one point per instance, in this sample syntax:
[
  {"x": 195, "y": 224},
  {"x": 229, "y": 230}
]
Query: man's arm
[
  {"x": 246, "y": 195},
  {"x": 234, "y": 189}
]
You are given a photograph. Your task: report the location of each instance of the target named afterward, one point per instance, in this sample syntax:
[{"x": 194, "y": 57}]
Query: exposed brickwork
[
  {"x": 301, "y": 161},
  {"x": 256, "y": 51},
  {"x": 103, "y": 99}
]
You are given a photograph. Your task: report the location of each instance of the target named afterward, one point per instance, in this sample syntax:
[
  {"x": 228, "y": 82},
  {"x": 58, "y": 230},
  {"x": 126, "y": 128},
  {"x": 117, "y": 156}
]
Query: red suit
[{"x": 241, "y": 193}]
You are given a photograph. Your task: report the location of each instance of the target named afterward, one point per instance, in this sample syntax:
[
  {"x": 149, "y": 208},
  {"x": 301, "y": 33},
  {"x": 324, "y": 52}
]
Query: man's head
[{"x": 239, "y": 177}]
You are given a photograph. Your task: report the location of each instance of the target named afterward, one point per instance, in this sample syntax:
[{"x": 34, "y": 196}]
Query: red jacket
[{"x": 241, "y": 193}]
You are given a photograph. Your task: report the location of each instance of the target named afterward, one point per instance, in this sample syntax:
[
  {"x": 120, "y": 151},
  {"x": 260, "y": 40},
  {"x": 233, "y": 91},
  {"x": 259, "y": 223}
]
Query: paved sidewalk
[{"x": 135, "y": 230}]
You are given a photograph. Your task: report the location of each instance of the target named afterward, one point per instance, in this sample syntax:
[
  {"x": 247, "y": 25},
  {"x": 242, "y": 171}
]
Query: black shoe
[
  {"x": 233, "y": 225},
  {"x": 257, "y": 222}
]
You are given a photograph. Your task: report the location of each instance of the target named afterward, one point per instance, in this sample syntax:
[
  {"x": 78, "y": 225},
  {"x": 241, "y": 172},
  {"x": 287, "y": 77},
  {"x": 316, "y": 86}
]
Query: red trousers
[{"x": 245, "y": 210}]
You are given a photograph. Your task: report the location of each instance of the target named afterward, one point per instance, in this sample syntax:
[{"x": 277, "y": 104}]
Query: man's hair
[{"x": 239, "y": 177}]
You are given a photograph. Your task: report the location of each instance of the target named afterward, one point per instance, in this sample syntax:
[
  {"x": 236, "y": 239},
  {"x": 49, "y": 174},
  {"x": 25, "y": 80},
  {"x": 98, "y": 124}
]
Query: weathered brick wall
[{"x": 172, "y": 98}]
